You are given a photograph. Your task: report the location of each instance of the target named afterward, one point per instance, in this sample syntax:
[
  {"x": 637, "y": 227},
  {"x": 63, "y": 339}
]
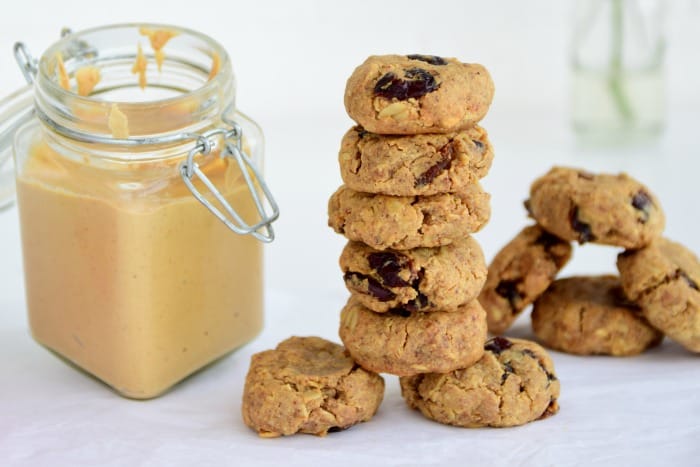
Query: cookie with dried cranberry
[
  {"x": 512, "y": 384},
  {"x": 308, "y": 385},
  {"x": 407, "y": 343},
  {"x": 421, "y": 279},
  {"x": 416, "y": 164},
  {"x": 519, "y": 273},
  {"x": 601, "y": 208},
  {"x": 405, "y": 222},
  {"x": 413, "y": 94},
  {"x": 591, "y": 315},
  {"x": 663, "y": 279}
]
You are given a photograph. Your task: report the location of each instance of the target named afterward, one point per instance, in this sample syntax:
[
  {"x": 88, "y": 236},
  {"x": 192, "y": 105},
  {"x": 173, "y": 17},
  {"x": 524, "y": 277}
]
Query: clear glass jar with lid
[{"x": 132, "y": 168}]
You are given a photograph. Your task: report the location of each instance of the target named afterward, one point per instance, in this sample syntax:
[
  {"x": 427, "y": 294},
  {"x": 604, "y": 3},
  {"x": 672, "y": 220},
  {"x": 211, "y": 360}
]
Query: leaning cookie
[
  {"x": 405, "y": 222},
  {"x": 590, "y": 315},
  {"x": 416, "y": 164},
  {"x": 413, "y": 94},
  {"x": 512, "y": 384},
  {"x": 404, "y": 343},
  {"x": 308, "y": 385},
  {"x": 421, "y": 279},
  {"x": 663, "y": 279},
  {"x": 519, "y": 273},
  {"x": 600, "y": 208}
]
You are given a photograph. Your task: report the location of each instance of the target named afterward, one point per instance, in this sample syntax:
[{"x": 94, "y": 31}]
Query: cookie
[
  {"x": 663, "y": 278},
  {"x": 405, "y": 222},
  {"x": 416, "y": 164},
  {"x": 519, "y": 273},
  {"x": 422, "y": 279},
  {"x": 414, "y": 94},
  {"x": 308, "y": 385},
  {"x": 404, "y": 343},
  {"x": 512, "y": 384},
  {"x": 609, "y": 209},
  {"x": 590, "y": 315}
]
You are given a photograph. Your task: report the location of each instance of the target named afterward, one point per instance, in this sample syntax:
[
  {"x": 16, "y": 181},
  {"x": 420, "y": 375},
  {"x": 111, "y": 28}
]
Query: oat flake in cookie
[
  {"x": 519, "y": 273},
  {"x": 513, "y": 384},
  {"x": 308, "y": 385},
  {"x": 590, "y": 315},
  {"x": 414, "y": 164},
  {"x": 413, "y": 94},
  {"x": 664, "y": 279},
  {"x": 421, "y": 279},
  {"x": 600, "y": 208}
]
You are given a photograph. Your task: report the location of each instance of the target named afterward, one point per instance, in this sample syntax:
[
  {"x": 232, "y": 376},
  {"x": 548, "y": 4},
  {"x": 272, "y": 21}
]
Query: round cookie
[
  {"x": 609, "y": 209},
  {"x": 422, "y": 279},
  {"x": 512, "y": 384},
  {"x": 414, "y": 94},
  {"x": 519, "y": 273},
  {"x": 416, "y": 164},
  {"x": 308, "y": 385},
  {"x": 663, "y": 279},
  {"x": 405, "y": 222},
  {"x": 404, "y": 343},
  {"x": 590, "y": 315}
]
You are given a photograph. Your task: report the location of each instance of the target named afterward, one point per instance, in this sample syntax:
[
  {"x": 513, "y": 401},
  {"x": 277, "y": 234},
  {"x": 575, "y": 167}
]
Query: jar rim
[
  {"x": 63, "y": 43},
  {"x": 198, "y": 94}
]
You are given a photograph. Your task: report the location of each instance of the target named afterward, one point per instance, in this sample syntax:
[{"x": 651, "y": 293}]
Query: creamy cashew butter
[
  {"x": 138, "y": 290},
  {"x": 130, "y": 272}
]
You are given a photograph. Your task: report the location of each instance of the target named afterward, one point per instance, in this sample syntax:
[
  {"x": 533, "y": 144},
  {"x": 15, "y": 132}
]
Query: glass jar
[
  {"x": 131, "y": 173},
  {"x": 617, "y": 57}
]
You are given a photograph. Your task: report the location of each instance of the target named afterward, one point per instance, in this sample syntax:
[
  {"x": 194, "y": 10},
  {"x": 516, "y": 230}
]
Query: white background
[{"x": 291, "y": 60}]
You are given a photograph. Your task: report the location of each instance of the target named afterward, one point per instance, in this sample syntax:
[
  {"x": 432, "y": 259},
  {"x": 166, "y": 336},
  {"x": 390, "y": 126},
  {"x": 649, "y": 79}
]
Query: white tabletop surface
[{"x": 614, "y": 411}]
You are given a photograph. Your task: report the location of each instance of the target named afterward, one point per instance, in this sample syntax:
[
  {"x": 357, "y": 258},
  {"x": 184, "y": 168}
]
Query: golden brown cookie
[
  {"x": 512, "y": 384},
  {"x": 663, "y": 279},
  {"x": 308, "y": 385},
  {"x": 519, "y": 273},
  {"x": 415, "y": 164},
  {"x": 405, "y": 222},
  {"x": 601, "y": 208},
  {"x": 413, "y": 94},
  {"x": 422, "y": 279},
  {"x": 589, "y": 315},
  {"x": 404, "y": 343}
]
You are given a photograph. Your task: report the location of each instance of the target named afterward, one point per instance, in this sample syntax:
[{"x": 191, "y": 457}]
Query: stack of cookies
[
  {"x": 657, "y": 289},
  {"x": 411, "y": 197}
]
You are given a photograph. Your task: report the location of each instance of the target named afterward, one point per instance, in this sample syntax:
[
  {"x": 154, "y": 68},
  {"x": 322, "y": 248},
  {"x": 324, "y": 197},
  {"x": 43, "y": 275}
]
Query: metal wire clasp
[{"x": 233, "y": 147}]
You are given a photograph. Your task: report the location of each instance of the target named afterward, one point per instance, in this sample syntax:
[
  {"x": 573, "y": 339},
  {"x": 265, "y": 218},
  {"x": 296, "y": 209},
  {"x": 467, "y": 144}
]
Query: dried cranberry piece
[
  {"x": 498, "y": 344},
  {"x": 547, "y": 240},
  {"x": 432, "y": 59},
  {"x": 388, "y": 266},
  {"x": 509, "y": 290},
  {"x": 584, "y": 230},
  {"x": 642, "y": 202},
  {"x": 374, "y": 288},
  {"x": 507, "y": 369},
  {"x": 448, "y": 153},
  {"x": 421, "y": 301},
  {"x": 404, "y": 313},
  {"x": 417, "y": 82},
  {"x": 684, "y": 275}
]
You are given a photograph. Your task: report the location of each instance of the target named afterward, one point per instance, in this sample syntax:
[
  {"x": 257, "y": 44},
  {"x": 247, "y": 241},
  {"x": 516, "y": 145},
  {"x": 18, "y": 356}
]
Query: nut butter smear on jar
[{"x": 128, "y": 275}]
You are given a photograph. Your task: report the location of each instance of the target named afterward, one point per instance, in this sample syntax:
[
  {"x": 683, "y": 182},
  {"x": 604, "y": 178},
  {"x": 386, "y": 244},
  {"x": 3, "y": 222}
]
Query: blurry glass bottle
[{"x": 617, "y": 60}]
